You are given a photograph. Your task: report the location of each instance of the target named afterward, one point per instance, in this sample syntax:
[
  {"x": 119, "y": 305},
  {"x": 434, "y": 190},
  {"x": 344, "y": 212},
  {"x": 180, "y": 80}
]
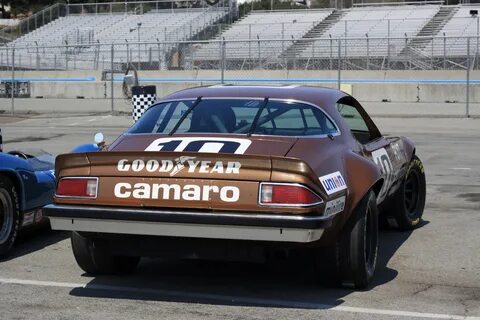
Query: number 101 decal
[
  {"x": 200, "y": 144},
  {"x": 381, "y": 158}
]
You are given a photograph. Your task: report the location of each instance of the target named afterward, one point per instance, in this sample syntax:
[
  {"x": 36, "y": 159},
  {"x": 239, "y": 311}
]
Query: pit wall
[{"x": 366, "y": 86}]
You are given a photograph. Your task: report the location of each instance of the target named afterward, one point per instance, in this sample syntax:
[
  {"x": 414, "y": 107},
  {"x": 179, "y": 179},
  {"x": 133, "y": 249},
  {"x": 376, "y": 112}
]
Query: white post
[
  {"x": 339, "y": 64},
  {"x": 467, "y": 106},
  {"x": 12, "y": 88},
  {"x": 111, "y": 80}
]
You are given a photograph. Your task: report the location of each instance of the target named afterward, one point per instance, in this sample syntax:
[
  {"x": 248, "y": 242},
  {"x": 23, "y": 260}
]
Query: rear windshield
[{"x": 235, "y": 116}]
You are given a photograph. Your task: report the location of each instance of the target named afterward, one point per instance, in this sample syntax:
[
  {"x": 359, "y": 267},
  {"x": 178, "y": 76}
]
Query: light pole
[
  {"x": 139, "y": 24},
  {"x": 128, "y": 52},
  {"x": 138, "y": 39}
]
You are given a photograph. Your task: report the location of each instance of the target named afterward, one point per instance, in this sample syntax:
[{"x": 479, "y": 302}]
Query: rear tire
[
  {"x": 357, "y": 247},
  {"x": 94, "y": 257},
  {"x": 405, "y": 209},
  {"x": 9, "y": 216}
]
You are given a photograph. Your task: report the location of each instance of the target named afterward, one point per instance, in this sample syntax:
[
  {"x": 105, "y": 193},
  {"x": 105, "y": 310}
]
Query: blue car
[{"x": 27, "y": 183}]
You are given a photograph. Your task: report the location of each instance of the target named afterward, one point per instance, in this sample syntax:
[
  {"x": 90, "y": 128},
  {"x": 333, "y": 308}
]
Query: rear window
[{"x": 235, "y": 116}]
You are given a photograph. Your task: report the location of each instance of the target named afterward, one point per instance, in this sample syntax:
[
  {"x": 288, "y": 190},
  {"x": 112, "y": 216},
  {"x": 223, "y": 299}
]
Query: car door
[{"x": 372, "y": 144}]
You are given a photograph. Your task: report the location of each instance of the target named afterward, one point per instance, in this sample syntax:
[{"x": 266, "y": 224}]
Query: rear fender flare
[
  {"x": 409, "y": 148},
  {"x": 362, "y": 176},
  {"x": 18, "y": 183}
]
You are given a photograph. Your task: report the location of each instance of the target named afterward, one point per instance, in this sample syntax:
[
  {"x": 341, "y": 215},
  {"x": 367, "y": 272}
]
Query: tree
[{"x": 26, "y": 6}]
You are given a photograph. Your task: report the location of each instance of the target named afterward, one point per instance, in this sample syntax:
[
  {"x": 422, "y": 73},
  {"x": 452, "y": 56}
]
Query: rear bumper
[{"x": 218, "y": 225}]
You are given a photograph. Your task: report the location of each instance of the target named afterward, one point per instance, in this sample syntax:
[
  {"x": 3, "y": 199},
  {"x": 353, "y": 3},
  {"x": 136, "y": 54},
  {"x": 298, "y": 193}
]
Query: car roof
[{"x": 320, "y": 96}]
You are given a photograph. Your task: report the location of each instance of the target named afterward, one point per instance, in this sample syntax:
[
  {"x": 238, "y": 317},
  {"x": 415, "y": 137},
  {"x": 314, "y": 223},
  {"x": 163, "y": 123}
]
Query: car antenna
[
  {"x": 185, "y": 115},
  {"x": 257, "y": 116}
]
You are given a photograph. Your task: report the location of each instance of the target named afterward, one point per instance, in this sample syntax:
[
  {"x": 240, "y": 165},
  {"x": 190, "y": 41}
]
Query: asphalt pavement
[{"x": 432, "y": 272}]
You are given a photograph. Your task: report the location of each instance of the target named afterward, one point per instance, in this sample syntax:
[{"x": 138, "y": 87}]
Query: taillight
[
  {"x": 286, "y": 194},
  {"x": 77, "y": 187}
]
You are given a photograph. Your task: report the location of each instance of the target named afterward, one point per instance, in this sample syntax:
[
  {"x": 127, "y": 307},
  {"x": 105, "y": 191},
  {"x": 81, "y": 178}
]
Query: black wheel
[
  {"x": 9, "y": 216},
  {"x": 357, "y": 247},
  {"x": 94, "y": 257},
  {"x": 405, "y": 209}
]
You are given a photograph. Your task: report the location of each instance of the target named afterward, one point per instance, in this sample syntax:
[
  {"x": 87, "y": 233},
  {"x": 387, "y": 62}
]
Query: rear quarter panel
[
  {"x": 34, "y": 188},
  {"x": 326, "y": 156}
]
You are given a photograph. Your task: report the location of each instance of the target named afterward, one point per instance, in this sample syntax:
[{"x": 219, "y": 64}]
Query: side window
[
  {"x": 355, "y": 122},
  {"x": 292, "y": 119}
]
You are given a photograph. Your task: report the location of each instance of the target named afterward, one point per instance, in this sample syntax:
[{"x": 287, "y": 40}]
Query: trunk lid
[{"x": 200, "y": 181}]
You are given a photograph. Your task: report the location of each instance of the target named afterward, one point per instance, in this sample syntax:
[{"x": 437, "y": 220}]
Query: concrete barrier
[{"x": 375, "y": 86}]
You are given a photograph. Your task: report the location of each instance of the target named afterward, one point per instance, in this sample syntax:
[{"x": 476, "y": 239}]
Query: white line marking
[
  {"x": 73, "y": 124},
  {"x": 461, "y": 168},
  {"x": 279, "y": 303},
  {"x": 94, "y": 119}
]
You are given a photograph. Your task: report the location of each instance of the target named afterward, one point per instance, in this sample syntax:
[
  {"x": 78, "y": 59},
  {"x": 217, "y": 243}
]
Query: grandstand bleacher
[
  {"x": 264, "y": 25},
  {"x": 390, "y": 29},
  {"x": 91, "y": 29},
  {"x": 380, "y": 22},
  {"x": 397, "y": 32},
  {"x": 169, "y": 25},
  {"x": 461, "y": 25}
]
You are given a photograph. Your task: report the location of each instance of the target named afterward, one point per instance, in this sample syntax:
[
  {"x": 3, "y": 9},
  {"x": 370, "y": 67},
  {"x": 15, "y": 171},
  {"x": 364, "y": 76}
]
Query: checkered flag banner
[{"x": 142, "y": 98}]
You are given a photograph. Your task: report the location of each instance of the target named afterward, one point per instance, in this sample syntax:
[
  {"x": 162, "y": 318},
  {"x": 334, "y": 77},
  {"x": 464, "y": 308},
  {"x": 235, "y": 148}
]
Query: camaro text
[{"x": 163, "y": 191}]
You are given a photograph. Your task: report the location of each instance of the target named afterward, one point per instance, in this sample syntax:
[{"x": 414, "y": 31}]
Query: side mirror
[{"x": 99, "y": 139}]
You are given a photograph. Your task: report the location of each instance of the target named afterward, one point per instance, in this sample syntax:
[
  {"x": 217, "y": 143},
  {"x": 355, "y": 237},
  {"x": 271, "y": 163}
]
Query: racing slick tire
[
  {"x": 357, "y": 246},
  {"x": 94, "y": 257},
  {"x": 405, "y": 210},
  {"x": 9, "y": 215}
]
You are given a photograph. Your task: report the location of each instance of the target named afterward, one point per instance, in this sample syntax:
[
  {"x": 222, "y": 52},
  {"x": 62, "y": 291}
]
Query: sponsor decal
[
  {"x": 179, "y": 164},
  {"x": 333, "y": 182},
  {"x": 163, "y": 191},
  {"x": 382, "y": 160},
  {"x": 335, "y": 206},
  {"x": 208, "y": 145},
  {"x": 397, "y": 148}
]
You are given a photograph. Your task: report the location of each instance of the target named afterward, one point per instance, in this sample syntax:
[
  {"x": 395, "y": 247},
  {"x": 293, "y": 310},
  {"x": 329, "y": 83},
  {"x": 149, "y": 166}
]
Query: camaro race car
[
  {"x": 27, "y": 183},
  {"x": 241, "y": 170}
]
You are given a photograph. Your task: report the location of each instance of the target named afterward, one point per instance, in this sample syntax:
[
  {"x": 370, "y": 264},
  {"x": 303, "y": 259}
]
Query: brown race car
[{"x": 241, "y": 172}]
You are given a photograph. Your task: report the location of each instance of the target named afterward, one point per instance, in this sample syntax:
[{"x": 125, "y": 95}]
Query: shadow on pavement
[
  {"x": 34, "y": 239},
  {"x": 289, "y": 284}
]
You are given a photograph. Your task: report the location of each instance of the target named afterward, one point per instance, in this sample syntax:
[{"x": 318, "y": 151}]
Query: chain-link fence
[
  {"x": 360, "y": 53},
  {"x": 230, "y": 61}
]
